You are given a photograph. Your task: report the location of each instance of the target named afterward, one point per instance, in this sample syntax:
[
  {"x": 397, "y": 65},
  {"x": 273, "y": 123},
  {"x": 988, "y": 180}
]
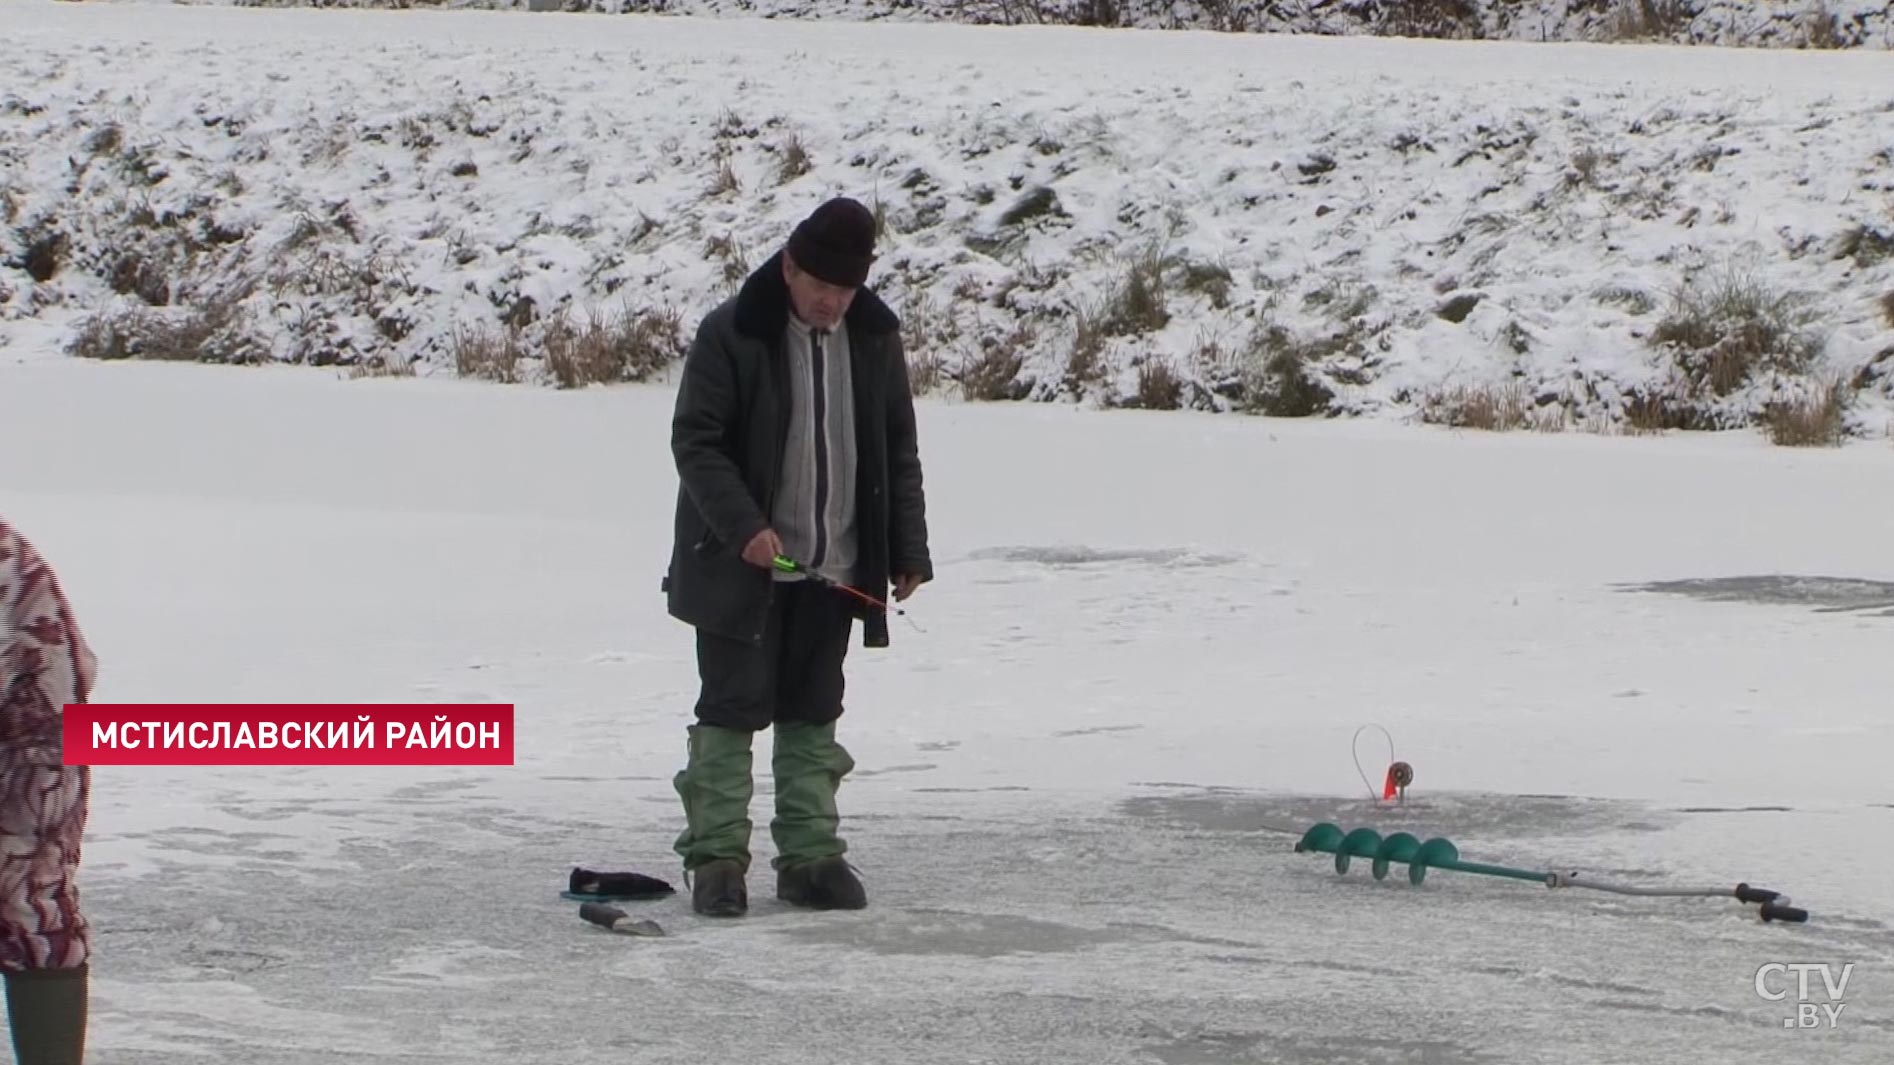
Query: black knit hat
[{"x": 836, "y": 243}]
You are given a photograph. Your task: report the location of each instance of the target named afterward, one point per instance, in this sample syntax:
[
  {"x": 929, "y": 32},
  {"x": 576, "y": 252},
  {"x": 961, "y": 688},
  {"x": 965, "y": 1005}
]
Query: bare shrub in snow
[
  {"x": 1648, "y": 20},
  {"x": 628, "y": 345},
  {"x": 1493, "y": 408},
  {"x": 1159, "y": 388},
  {"x": 1229, "y": 16},
  {"x": 879, "y": 208},
  {"x": 926, "y": 331},
  {"x": 1281, "y": 379},
  {"x": 215, "y": 331},
  {"x": 993, "y": 373},
  {"x": 1820, "y": 28},
  {"x": 725, "y": 182},
  {"x": 736, "y": 264},
  {"x": 1723, "y": 333},
  {"x": 1216, "y": 369},
  {"x": 492, "y": 354},
  {"x": 924, "y": 372},
  {"x": 1815, "y": 419},
  {"x": 136, "y": 275},
  {"x": 1648, "y": 413},
  {"x": 1085, "y": 362},
  {"x": 1454, "y": 19},
  {"x": 794, "y": 161},
  {"x": 1137, "y": 302}
]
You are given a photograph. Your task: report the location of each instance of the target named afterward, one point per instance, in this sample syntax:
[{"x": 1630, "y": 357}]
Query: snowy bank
[
  {"x": 1719, "y": 23},
  {"x": 1550, "y": 235}
]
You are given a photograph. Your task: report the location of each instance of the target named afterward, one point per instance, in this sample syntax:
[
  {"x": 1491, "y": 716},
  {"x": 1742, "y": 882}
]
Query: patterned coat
[{"x": 45, "y": 664}]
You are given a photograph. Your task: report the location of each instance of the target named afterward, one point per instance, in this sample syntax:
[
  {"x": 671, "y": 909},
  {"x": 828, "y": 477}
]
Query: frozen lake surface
[{"x": 1127, "y": 669}]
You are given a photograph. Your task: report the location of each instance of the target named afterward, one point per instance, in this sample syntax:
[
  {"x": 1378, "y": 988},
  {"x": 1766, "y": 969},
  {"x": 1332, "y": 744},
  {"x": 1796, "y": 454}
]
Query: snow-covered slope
[
  {"x": 1276, "y": 223},
  {"x": 1723, "y": 23}
]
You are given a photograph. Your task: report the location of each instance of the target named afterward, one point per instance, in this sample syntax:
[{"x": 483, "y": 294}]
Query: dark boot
[
  {"x": 717, "y": 890},
  {"x": 821, "y": 884},
  {"x": 716, "y": 787},
  {"x": 47, "y": 1011}
]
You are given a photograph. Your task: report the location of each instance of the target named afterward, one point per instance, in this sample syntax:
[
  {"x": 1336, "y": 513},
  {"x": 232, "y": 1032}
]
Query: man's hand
[
  {"x": 904, "y": 585},
  {"x": 762, "y": 549}
]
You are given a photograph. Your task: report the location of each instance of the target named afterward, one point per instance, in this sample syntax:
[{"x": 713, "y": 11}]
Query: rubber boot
[
  {"x": 808, "y": 765},
  {"x": 716, "y": 786},
  {"x": 47, "y": 1011}
]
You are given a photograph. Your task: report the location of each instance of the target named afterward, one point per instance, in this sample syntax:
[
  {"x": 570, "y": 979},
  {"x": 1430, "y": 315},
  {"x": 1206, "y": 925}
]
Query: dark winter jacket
[{"x": 728, "y": 433}]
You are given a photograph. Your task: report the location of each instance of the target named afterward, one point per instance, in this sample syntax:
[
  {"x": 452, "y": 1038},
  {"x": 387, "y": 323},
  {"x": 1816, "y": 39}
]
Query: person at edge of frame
[{"x": 45, "y": 939}]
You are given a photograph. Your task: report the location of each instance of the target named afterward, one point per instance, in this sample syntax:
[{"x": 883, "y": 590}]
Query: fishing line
[{"x": 1355, "y": 749}]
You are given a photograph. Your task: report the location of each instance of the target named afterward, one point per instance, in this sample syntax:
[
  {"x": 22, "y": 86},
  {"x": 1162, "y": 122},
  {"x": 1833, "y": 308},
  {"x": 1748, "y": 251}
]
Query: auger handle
[
  {"x": 1791, "y": 914},
  {"x": 1772, "y": 910}
]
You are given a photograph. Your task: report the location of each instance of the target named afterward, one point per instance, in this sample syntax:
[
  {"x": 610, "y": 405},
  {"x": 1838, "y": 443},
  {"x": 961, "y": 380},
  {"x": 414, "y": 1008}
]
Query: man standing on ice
[
  {"x": 45, "y": 943},
  {"x": 794, "y": 438}
]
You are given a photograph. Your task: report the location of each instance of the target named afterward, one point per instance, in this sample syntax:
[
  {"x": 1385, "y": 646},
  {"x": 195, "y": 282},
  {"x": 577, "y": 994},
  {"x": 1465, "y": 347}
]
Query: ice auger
[{"x": 1438, "y": 853}]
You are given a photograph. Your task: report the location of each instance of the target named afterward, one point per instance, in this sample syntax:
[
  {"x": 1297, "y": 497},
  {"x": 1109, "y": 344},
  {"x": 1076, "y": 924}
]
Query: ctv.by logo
[{"x": 1809, "y": 1013}]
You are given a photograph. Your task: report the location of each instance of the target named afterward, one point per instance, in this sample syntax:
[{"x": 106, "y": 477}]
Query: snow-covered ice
[{"x": 1152, "y": 635}]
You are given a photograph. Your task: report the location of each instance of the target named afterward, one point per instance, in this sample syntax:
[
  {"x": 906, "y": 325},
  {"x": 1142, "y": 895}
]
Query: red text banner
[{"x": 288, "y": 734}]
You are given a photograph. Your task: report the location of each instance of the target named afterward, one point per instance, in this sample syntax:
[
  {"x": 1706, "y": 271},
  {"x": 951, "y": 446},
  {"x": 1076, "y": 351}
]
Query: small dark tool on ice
[{"x": 613, "y": 919}]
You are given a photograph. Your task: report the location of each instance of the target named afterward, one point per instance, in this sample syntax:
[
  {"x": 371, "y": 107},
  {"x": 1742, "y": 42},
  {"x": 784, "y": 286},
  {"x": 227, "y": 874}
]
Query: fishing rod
[{"x": 789, "y": 565}]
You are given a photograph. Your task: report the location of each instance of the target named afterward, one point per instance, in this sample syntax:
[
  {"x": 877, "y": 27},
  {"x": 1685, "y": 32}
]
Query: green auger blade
[
  {"x": 1400, "y": 847},
  {"x": 1403, "y": 848}
]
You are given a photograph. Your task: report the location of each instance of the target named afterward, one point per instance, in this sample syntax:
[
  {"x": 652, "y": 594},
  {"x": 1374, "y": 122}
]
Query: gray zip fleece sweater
[{"x": 815, "y": 503}]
